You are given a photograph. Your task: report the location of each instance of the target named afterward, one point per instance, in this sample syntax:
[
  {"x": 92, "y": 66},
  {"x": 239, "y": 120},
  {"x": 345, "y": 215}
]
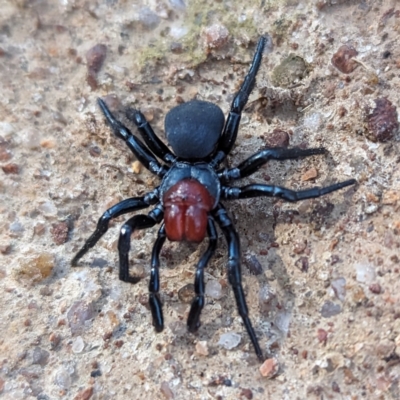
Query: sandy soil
[{"x": 321, "y": 276}]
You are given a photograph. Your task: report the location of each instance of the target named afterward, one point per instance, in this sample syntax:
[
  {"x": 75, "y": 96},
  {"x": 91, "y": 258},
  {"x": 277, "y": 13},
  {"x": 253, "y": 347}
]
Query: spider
[{"x": 188, "y": 202}]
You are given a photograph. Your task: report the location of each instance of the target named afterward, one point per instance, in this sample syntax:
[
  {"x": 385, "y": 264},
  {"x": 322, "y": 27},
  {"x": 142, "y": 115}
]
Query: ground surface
[{"x": 326, "y": 304}]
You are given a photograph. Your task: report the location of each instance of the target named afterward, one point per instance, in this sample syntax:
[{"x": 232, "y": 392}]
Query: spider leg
[
  {"x": 193, "y": 321},
  {"x": 124, "y": 207},
  {"x": 255, "y": 190},
  {"x": 230, "y": 131},
  {"x": 142, "y": 153},
  {"x": 151, "y": 139},
  {"x": 154, "y": 285},
  {"x": 256, "y": 161},
  {"x": 140, "y": 221},
  {"x": 234, "y": 272}
]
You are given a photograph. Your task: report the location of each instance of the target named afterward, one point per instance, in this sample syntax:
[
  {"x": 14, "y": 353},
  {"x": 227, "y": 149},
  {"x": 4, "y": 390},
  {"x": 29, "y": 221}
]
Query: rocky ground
[{"x": 321, "y": 276}]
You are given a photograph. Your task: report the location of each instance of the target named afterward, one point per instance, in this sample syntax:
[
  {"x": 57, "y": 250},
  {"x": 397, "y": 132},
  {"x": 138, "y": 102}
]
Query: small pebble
[
  {"x": 299, "y": 246},
  {"x": 49, "y": 143},
  {"x": 229, "y": 340},
  {"x": 36, "y": 268},
  {"x": 148, "y": 18},
  {"x": 313, "y": 121},
  {"x": 382, "y": 121},
  {"x": 39, "y": 228},
  {"x": 215, "y": 36},
  {"x": 202, "y": 348},
  {"x": 339, "y": 288},
  {"x": 78, "y": 316},
  {"x": 213, "y": 289},
  {"x": 178, "y": 4},
  {"x": 84, "y": 394},
  {"x": 136, "y": 167},
  {"x": 94, "y": 151},
  {"x": 46, "y": 291},
  {"x": 16, "y": 229},
  {"x": 30, "y": 139},
  {"x": 59, "y": 232},
  {"x": 48, "y": 208},
  {"x": 186, "y": 293},
  {"x": 5, "y": 154},
  {"x": 95, "y": 58},
  {"x": 95, "y": 373},
  {"x": 11, "y": 168},
  {"x": 166, "y": 391},
  {"x": 78, "y": 345},
  {"x": 32, "y": 372},
  {"x": 385, "y": 348},
  {"x": 322, "y": 335},
  {"x": 40, "y": 356},
  {"x": 365, "y": 273},
  {"x": 247, "y": 393},
  {"x": 342, "y": 59},
  {"x": 63, "y": 379},
  {"x": 176, "y": 48},
  {"x": 55, "y": 340},
  {"x": 330, "y": 309},
  {"x": 269, "y": 368},
  {"x": 335, "y": 387},
  {"x": 253, "y": 264},
  {"x": 302, "y": 264},
  {"x": 312, "y": 173},
  {"x": 277, "y": 138},
  {"x": 267, "y": 299},
  {"x": 375, "y": 288},
  {"x": 6, "y": 129}
]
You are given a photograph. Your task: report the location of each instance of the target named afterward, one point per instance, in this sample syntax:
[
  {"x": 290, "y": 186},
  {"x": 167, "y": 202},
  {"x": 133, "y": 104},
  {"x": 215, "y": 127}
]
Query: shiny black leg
[
  {"x": 234, "y": 272},
  {"x": 151, "y": 139},
  {"x": 230, "y": 131},
  {"x": 124, "y": 244},
  {"x": 142, "y": 153},
  {"x": 255, "y": 190},
  {"x": 256, "y": 161},
  {"x": 124, "y": 207},
  {"x": 193, "y": 322},
  {"x": 154, "y": 285}
]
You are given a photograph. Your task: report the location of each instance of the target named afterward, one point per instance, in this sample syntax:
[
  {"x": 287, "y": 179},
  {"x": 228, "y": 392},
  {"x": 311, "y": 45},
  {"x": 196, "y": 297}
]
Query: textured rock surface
[{"x": 81, "y": 333}]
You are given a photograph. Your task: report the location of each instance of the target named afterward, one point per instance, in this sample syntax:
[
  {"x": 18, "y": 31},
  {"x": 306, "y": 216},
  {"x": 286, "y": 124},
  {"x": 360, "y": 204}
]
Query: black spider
[{"x": 192, "y": 187}]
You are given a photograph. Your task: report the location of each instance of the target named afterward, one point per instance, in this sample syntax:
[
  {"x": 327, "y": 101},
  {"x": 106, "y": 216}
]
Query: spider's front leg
[
  {"x": 256, "y": 190},
  {"x": 124, "y": 207},
  {"x": 230, "y": 131},
  {"x": 256, "y": 161},
  {"x": 142, "y": 153}
]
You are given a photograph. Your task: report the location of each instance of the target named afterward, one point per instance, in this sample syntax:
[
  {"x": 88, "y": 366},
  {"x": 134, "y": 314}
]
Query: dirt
[{"x": 321, "y": 276}]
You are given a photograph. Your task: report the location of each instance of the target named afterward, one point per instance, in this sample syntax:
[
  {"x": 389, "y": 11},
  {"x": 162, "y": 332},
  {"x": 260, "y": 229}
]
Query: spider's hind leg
[
  {"x": 154, "y": 284},
  {"x": 235, "y": 274},
  {"x": 193, "y": 321}
]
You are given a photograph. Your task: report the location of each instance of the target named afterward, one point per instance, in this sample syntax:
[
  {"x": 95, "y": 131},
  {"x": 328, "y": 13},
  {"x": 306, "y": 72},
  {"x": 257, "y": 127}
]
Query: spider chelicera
[{"x": 192, "y": 188}]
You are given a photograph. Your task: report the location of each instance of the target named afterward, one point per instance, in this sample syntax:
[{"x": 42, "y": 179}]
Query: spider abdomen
[{"x": 186, "y": 206}]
